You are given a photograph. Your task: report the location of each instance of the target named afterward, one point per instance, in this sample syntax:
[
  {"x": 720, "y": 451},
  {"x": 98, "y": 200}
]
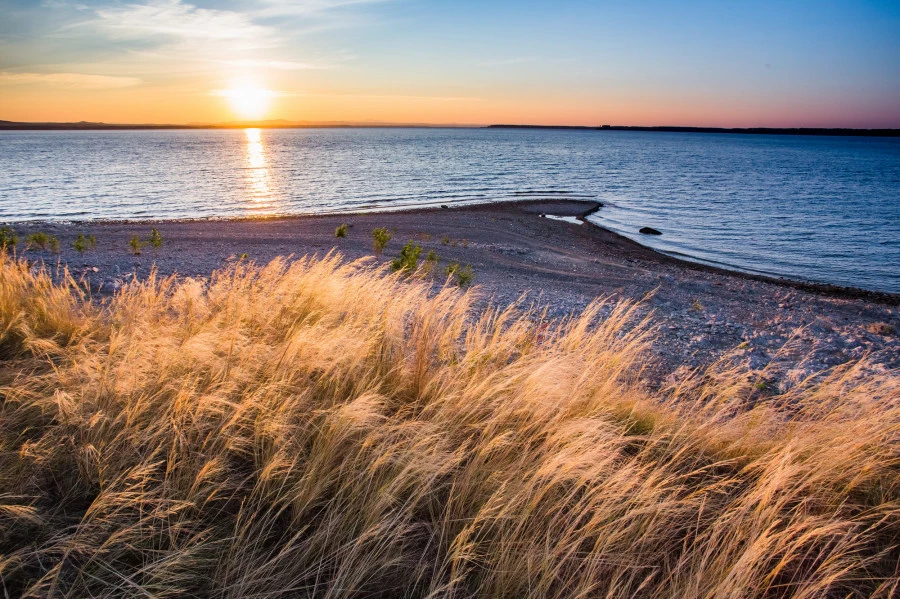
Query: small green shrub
[
  {"x": 464, "y": 275},
  {"x": 445, "y": 240},
  {"x": 341, "y": 231},
  {"x": 92, "y": 242},
  {"x": 8, "y": 238},
  {"x": 43, "y": 241},
  {"x": 408, "y": 258},
  {"x": 696, "y": 305},
  {"x": 136, "y": 245},
  {"x": 39, "y": 240},
  {"x": 431, "y": 262},
  {"x": 381, "y": 237},
  {"x": 156, "y": 239},
  {"x": 80, "y": 244}
]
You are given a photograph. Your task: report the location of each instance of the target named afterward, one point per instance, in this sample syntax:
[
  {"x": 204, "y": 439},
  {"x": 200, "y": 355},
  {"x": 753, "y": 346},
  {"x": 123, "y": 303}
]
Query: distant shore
[
  {"x": 832, "y": 131},
  {"x": 701, "y": 311},
  {"x": 283, "y": 124}
]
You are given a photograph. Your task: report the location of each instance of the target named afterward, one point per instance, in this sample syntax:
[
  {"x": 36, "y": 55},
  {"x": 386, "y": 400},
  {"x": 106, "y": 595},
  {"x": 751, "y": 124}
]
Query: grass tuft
[{"x": 324, "y": 429}]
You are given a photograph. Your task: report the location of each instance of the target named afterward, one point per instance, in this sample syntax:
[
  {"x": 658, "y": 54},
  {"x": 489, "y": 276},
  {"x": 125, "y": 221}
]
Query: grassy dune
[{"x": 322, "y": 429}]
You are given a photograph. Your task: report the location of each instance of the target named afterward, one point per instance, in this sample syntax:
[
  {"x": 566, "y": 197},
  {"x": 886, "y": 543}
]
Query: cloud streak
[
  {"x": 68, "y": 80},
  {"x": 176, "y": 21},
  {"x": 274, "y": 8}
]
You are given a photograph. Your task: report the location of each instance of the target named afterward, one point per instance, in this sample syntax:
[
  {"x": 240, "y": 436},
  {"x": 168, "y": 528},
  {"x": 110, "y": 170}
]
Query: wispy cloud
[
  {"x": 68, "y": 80},
  {"x": 177, "y": 21},
  {"x": 270, "y": 8},
  {"x": 263, "y": 34},
  {"x": 56, "y": 4}
]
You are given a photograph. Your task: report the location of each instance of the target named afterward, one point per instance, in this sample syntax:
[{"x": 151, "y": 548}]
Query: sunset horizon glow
[{"x": 775, "y": 64}]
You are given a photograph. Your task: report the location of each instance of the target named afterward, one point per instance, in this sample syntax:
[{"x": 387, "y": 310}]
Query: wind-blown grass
[{"x": 320, "y": 429}]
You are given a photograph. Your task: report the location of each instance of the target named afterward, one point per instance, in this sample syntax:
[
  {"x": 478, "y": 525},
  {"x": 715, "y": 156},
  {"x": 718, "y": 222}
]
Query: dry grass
[{"x": 322, "y": 429}]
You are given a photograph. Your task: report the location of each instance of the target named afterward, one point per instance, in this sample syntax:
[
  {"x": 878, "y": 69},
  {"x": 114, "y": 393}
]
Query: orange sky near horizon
[{"x": 172, "y": 106}]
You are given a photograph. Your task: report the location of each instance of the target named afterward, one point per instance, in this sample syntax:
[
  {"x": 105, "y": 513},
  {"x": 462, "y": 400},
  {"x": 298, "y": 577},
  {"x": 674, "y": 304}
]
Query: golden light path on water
[{"x": 259, "y": 176}]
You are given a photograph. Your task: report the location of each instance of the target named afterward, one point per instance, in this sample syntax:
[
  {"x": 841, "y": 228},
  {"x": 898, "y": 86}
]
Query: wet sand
[{"x": 701, "y": 311}]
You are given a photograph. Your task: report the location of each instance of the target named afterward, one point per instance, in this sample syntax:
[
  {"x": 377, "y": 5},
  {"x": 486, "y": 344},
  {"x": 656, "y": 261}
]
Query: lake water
[{"x": 814, "y": 208}]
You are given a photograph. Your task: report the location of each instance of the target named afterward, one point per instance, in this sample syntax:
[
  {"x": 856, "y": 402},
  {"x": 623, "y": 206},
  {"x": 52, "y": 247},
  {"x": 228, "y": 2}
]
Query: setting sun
[{"x": 248, "y": 102}]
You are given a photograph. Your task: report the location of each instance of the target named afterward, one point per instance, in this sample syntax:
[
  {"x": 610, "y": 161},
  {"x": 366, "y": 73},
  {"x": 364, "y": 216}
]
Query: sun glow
[{"x": 248, "y": 102}]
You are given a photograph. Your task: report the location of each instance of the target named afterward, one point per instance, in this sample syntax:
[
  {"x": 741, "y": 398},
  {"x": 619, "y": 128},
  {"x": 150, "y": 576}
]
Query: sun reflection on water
[{"x": 258, "y": 174}]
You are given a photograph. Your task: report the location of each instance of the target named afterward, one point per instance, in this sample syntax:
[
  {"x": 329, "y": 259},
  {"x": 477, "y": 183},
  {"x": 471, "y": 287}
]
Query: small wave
[{"x": 538, "y": 192}]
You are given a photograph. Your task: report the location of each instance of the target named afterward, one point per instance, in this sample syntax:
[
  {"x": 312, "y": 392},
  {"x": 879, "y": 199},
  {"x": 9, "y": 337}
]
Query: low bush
[
  {"x": 381, "y": 237},
  {"x": 43, "y": 241},
  {"x": 462, "y": 275},
  {"x": 408, "y": 258},
  {"x": 8, "y": 238},
  {"x": 136, "y": 245}
]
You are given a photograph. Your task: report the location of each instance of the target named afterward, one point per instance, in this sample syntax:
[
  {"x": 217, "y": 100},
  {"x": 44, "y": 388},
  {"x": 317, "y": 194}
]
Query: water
[{"x": 823, "y": 209}]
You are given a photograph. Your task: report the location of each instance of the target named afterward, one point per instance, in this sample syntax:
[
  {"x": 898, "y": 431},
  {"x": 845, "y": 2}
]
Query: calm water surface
[{"x": 814, "y": 208}]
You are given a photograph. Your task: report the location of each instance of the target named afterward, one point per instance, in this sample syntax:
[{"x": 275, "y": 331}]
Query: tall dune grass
[{"x": 322, "y": 429}]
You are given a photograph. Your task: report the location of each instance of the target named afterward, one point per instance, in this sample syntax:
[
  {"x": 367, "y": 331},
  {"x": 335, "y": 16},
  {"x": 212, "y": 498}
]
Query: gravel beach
[{"x": 519, "y": 249}]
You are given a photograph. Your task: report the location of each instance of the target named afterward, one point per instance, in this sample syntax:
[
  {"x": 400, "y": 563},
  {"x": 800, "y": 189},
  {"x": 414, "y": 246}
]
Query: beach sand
[{"x": 701, "y": 312}]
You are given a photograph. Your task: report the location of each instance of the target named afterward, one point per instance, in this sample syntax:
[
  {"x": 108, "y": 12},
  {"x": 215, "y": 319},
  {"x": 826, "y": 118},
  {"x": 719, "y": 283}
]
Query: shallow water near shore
[{"x": 823, "y": 209}]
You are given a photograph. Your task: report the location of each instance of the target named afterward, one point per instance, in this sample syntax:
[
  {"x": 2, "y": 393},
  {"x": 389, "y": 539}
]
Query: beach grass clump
[
  {"x": 381, "y": 237},
  {"x": 42, "y": 240},
  {"x": 326, "y": 429},
  {"x": 341, "y": 231},
  {"x": 408, "y": 259}
]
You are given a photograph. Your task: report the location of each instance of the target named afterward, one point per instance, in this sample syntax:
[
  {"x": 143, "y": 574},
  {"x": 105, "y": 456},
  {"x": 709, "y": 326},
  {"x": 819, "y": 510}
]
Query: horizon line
[{"x": 287, "y": 124}]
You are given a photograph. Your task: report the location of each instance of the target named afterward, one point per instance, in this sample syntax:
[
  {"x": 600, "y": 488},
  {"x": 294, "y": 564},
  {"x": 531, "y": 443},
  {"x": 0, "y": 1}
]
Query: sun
[{"x": 248, "y": 102}]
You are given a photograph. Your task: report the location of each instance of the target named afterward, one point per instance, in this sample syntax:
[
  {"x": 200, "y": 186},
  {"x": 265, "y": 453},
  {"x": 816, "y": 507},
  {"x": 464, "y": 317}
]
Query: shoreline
[
  {"x": 701, "y": 312},
  {"x": 591, "y": 207}
]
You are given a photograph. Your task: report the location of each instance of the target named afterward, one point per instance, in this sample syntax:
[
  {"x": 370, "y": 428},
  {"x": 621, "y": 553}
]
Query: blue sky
[{"x": 571, "y": 62}]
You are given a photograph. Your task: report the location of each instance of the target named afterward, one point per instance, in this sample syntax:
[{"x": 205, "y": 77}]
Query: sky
[{"x": 566, "y": 62}]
